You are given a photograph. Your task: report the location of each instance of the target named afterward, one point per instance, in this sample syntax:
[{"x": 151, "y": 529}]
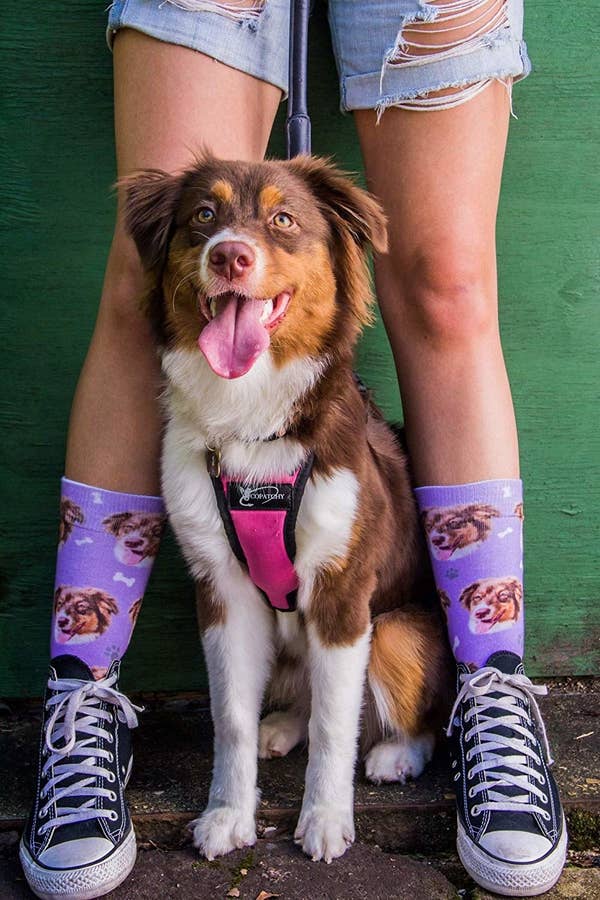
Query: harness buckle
[{"x": 213, "y": 461}]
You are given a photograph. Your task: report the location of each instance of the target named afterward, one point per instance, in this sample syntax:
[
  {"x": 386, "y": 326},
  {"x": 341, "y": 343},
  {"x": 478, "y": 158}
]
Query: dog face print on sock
[
  {"x": 82, "y": 614},
  {"x": 137, "y": 536},
  {"x": 456, "y": 531}
]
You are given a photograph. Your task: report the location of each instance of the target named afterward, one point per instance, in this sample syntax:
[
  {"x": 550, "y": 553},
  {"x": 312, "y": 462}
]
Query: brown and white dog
[
  {"x": 137, "y": 536},
  {"x": 458, "y": 530},
  {"x": 259, "y": 289},
  {"x": 81, "y": 615},
  {"x": 494, "y": 604}
]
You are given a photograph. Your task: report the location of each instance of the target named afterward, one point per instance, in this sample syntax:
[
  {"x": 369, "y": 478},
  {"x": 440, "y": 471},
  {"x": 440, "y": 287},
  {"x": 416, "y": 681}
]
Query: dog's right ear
[
  {"x": 150, "y": 202},
  {"x": 466, "y": 598}
]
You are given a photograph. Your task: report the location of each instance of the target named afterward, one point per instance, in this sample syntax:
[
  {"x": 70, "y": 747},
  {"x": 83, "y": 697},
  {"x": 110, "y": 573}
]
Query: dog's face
[
  {"x": 452, "y": 531},
  {"x": 250, "y": 258},
  {"x": 82, "y": 614},
  {"x": 493, "y": 603},
  {"x": 70, "y": 515},
  {"x": 137, "y": 536}
]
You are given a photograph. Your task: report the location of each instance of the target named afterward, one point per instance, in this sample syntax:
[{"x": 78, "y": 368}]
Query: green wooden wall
[{"x": 57, "y": 214}]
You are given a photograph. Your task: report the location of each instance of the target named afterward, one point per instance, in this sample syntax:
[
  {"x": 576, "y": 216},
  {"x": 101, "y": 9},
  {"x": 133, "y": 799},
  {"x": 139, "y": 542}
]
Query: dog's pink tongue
[{"x": 235, "y": 338}]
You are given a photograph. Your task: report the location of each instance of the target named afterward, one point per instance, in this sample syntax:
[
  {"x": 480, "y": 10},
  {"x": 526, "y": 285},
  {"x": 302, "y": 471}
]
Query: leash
[{"x": 297, "y": 125}]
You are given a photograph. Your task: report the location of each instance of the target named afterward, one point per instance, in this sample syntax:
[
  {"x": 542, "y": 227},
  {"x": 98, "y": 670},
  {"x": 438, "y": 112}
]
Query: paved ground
[
  {"x": 278, "y": 869},
  {"x": 405, "y": 833}
]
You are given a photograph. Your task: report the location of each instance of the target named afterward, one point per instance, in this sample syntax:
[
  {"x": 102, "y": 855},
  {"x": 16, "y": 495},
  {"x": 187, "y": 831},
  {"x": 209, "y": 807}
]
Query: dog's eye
[
  {"x": 455, "y": 523},
  {"x": 205, "y": 215},
  {"x": 282, "y": 220},
  {"x": 504, "y": 596}
]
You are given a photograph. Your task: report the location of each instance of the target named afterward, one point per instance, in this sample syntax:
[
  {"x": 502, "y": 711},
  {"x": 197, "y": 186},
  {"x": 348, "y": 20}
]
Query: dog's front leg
[
  {"x": 239, "y": 654},
  {"x": 326, "y": 824}
]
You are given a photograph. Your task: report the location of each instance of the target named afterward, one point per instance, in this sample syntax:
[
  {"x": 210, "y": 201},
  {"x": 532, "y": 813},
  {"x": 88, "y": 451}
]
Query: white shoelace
[
  {"x": 77, "y": 710},
  {"x": 507, "y": 769}
]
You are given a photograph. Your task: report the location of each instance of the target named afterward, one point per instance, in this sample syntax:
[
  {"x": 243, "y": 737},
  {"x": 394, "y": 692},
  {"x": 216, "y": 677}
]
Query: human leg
[
  {"x": 436, "y": 165},
  {"x": 169, "y": 100}
]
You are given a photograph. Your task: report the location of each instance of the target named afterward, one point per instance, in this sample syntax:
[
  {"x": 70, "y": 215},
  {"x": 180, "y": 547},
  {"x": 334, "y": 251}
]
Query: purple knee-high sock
[
  {"x": 475, "y": 539},
  {"x": 107, "y": 545}
]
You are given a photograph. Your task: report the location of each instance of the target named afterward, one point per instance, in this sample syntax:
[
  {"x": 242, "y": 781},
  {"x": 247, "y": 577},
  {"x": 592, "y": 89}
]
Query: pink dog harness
[{"x": 260, "y": 523}]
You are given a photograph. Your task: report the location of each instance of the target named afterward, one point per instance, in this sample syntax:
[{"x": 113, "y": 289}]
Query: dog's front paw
[
  {"x": 223, "y": 829},
  {"x": 279, "y": 733},
  {"x": 325, "y": 832}
]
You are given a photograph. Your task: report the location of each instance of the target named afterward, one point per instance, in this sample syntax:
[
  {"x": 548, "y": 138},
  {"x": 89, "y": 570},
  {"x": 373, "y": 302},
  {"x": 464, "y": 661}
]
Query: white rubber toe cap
[
  {"x": 515, "y": 846},
  {"x": 72, "y": 854}
]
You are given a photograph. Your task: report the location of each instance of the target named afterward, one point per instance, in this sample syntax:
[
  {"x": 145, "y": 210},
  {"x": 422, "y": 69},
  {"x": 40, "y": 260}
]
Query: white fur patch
[
  {"x": 324, "y": 526},
  {"x": 226, "y": 234},
  {"x": 400, "y": 759},
  {"x": 325, "y": 827},
  {"x": 238, "y": 414}
]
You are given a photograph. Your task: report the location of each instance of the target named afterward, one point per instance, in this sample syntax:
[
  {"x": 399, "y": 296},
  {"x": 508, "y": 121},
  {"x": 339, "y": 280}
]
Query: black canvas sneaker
[
  {"x": 512, "y": 836},
  {"x": 79, "y": 841}
]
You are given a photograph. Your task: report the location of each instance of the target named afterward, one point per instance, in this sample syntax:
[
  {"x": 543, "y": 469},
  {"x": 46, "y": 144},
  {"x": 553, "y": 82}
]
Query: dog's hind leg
[
  {"x": 405, "y": 697},
  {"x": 239, "y": 651},
  {"x": 288, "y": 699}
]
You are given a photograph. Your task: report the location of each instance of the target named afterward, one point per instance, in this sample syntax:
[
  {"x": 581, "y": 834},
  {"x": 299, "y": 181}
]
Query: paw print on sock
[
  {"x": 452, "y": 572},
  {"x": 112, "y": 652}
]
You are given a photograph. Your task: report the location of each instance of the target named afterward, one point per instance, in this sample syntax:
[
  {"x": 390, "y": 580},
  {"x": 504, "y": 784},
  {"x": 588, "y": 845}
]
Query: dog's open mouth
[{"x": 238, "y": 330}]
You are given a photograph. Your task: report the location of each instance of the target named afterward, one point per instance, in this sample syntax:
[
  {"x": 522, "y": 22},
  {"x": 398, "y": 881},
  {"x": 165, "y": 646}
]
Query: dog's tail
[{"x": 409, "y": 671}]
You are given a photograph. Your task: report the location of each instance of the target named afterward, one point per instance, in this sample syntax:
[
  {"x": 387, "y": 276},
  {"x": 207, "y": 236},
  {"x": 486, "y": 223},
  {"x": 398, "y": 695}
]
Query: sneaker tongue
[
  {"x": 505, "y": 661},
  {"x": 235, "y": 338},
  {"x": 67, "y": 666}
]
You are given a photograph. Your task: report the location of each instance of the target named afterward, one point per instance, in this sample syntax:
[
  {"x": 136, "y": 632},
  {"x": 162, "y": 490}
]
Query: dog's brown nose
[{"x": 232, "y": 259}]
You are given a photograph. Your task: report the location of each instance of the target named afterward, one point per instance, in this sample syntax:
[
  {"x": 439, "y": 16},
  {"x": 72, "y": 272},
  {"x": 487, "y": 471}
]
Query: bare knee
[
  {"x": 443, "y": 298},
  {"x": 125, "y": 285}
]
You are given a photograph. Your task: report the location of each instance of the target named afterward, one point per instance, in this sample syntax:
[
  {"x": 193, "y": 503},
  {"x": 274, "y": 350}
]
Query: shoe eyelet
[
  {"x": 475, "y": 810},
  {"x": 110, "y": 739},
  {"x": 546, "y": 816},
  {"x": 544, "y": 798},
  {"x": 471, "y": 792},
  {"x": 468, "y": 756},
  {"x": 42, "y": 813},
  {"x": 454, "y": 763},
  {"x": 113, "y": 816},
  {"x": 542, "y": 779},
  {"x": 111, "y": 757},
  {"x": 111, "y": 777},
  {"x": 112, "y": 796},
  {"x": 457, "y": 776}
]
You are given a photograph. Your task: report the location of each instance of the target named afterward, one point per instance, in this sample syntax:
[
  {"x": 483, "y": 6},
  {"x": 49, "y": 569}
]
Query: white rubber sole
[
  {"x": 510, "y": 879},
  {"x": 80, "y": 884}
]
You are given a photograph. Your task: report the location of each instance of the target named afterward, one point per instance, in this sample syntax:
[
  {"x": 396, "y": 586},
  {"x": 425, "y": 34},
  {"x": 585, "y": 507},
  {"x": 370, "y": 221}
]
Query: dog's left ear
[
  {"x": 151, "y": 199},
  {"x": 343, "y": 203}
]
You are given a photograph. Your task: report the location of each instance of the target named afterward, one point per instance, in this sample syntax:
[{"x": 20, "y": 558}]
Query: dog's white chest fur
[{"x": 203, "y": 409}]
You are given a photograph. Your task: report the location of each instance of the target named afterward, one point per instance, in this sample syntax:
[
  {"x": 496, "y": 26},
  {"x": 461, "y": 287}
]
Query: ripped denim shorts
[{"x": 388, "y": 52}]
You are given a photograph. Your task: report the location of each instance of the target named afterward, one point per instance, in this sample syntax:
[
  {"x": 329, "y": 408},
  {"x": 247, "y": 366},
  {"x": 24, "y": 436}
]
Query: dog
[
  {"x": 137, "y": 536},
  {"x": 494, "y": 604},
  {"x": 458, "y": 530},
  {"x": 71, "y": 514},
  {"x": 258, "y": 290},
  {"x": 81, "y": 615}
]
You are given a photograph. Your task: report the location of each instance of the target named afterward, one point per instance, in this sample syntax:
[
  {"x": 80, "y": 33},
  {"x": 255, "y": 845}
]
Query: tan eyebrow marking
[
  {"x": 222, "y": 191},
  {"x": 270, "y": 196}
]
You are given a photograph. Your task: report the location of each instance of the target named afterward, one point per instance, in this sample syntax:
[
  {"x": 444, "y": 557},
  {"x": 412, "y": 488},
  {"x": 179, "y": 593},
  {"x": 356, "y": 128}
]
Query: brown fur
[
  {"x": 209, "y": 610},
  {"x": 135, "y": 611},
  {"x": 222, "y": 191},
  {"x": 70, "y": 515}
]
